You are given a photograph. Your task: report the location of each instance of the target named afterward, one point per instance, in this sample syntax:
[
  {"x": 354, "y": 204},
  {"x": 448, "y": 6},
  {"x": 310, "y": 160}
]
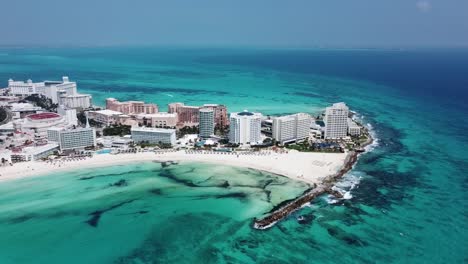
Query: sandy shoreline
[{"x": 311, "y": 167}]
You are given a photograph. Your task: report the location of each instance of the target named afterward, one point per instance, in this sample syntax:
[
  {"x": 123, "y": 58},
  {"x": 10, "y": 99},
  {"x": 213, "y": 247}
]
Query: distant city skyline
[{"x": 274, "y": 23}]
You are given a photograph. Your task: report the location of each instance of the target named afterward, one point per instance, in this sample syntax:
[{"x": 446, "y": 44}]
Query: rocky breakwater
[{"x": 325, "y": 187}]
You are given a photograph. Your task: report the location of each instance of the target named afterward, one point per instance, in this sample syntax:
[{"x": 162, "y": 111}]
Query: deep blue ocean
[{"x": 409, "y": 194}]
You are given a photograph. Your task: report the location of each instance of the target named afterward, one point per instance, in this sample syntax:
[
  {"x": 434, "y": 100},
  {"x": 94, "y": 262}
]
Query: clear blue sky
[{"x": 286, "y": 23}]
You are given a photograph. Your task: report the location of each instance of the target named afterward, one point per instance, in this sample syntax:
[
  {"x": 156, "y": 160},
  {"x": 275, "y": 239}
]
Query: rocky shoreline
[{"x": 325, "y": 187}]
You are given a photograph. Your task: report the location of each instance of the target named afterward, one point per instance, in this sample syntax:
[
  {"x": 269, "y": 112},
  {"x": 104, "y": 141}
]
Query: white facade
[
  {"x": 291, "y": 127},
  {"x": 37, "y": 124},
  {"x": 353, "y": 128},
  {"x": 25, "y": 88},
  {"x": 34, "y": 152},
  {"x": 69, "y": 114},
  {"x": 20, "y": 110},
  {"x": 154, "y": 135},
  {"x": 78, "y": 138},
  {"x": 207, "y": 121},
  {"x": 336, "y": 121},
  {"x": 81, "y": 101},
  {"x": 105, "y": 116},
  {"x": 244, "y": 127}
]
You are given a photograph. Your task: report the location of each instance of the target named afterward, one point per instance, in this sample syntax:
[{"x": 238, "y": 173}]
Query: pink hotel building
[
  {"x": 189, "y": 115},
  {"x": 131, "y": 107}
]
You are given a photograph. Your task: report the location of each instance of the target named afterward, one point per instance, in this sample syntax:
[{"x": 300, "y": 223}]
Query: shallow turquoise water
[{"x": 408, "y": 206}]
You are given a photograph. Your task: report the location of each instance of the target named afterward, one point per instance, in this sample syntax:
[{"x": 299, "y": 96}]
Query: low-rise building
[
  {"x": 21, "y": 110},
  {"x": 353, "y": 128},
  {"x": 38, "y": 124},
  {"x": 115, "y": 141},
  {"x": 161, "y": 119},
  {"x": 33, "y": 153},
  {"x": 106, "y": 116},
  {"x": 153, "y": 135},
  {"x": 77, "y": 138}
]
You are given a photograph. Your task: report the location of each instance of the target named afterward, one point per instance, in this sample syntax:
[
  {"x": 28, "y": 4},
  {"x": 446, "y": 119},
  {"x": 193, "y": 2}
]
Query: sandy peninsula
[{"x": 307, "y": 167}]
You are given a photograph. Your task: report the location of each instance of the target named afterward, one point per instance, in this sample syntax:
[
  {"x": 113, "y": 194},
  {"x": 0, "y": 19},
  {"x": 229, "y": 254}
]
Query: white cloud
[{"x": 423, "y": 6}]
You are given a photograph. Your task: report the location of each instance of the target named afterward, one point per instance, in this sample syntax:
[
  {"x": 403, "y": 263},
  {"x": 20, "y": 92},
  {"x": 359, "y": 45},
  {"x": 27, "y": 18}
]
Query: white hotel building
[
  {"x": 291, "y": 127},
  {"x": 78, "y": 138},
  {"x": 153, "y": 135},
  {"x": 60, "y": 92},
  {"x": 245, "y": 127},
  {"x": 336, "y": 121},
  {"x": 25, "y": 88}
]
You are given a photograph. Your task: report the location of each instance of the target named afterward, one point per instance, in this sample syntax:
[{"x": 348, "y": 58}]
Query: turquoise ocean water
[{"x": 409, "y": 195}]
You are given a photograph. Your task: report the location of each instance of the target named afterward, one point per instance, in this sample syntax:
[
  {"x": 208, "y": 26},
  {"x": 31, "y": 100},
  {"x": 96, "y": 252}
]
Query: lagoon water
[{"x": 408, "y": 198}]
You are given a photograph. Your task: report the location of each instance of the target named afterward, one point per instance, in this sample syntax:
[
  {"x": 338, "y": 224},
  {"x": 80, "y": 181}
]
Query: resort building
[
  {"x": 336, "y": 121},
  {"x": 187, "y": 115},
  {"x": 55, "y": 89},
  {"x": 245, "y": 127},
  {"x": 21, "y": 88},
  {"x": 153, "y": 135},
  {"x": 77, "y": 138},
  {"x": 291, "y": 127},
  {"x": 161, "y": 119},
  {"x": 21, "y": 110},
  {"x": 69, "y": 114},
  {"x": 353, "y": 128},
  {"x": 80, "y": 101},
  {"x": 124, "y": 142},
  {"x": 33, "y": 153},
  {"x": 37, "y": 124},
  {"x": 220, "y": 114},
  {"x": 207, "y": 122},
  {"x": 106, "y": 116},
  {"x": 131, "y": 107},
  {"x": 60, "y": 92}
]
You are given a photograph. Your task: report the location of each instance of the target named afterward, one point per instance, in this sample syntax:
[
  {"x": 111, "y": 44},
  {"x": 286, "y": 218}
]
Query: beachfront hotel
[
  {"x": 131, "y": 107},
  {"x": 32, "y": 153},
  {"x": 153, "y": 135},
  {"x": 69, "y": 114},
  {"x": 21, "y": 88},
  {"x": 245, "y": 127},
  {"x": 77, "y": 138},
  {"x": 187, "y": 115},
  {"x": 161, "y": 119},
  {"x": 336, "y": 121},
  {"x": 60, "y": 92},
  {"x": 106, "y": 116},
  {"x": 207, "y": 120},
  {"x": 220, "y": 114},
  {"x": 21, "y": 110},
  {"x": 78, "y": 101},
  {"x": 291, "y": 127}
]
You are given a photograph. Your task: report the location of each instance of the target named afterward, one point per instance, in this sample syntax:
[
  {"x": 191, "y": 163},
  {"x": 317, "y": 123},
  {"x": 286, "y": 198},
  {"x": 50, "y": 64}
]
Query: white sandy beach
[{"x": 307, "y": 167}]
